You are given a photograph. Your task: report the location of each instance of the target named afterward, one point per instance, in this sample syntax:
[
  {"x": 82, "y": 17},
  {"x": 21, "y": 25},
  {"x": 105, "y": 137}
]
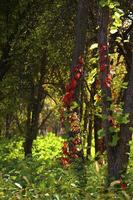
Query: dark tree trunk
[
  {"x": 4, "y": 61},
  {"x": 97, "y": 125},
  {"x": 79, "y": 50},
  {"x": 28, "y": 147},
  {"x": 34, "y": 109},
  {"x": 30, "y": 136},
  {"x": 118, "y": 155},
  {"x": 88, "y": 119},
  {"x": 123, "y": 147},
  {"x": 105, "y": 88},
  {"x": 99, "y": 142},
  {"x": 89, "y": 136},
  {"x": 81, "y": 30},
  {"x": 33, "y": 112},
  {"x": 80, "y": 42},
  {"x": 7, "y": 126}
]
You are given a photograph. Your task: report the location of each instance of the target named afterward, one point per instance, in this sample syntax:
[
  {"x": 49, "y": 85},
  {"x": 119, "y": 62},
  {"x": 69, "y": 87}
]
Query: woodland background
[{"x": 41, "y": 44}]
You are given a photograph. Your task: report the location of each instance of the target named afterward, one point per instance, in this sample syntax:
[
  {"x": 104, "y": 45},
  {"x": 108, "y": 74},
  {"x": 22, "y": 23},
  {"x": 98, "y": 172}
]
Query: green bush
[{"x": 42, "y": 177}]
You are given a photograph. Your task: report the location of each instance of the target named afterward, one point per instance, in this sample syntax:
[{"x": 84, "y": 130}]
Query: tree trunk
[
  {"x": 89, "y": 119},
  {"x": 28, "y": 147},
  {"x": 118, "y": 155},
  {"x": 89, "y": 136},
  {"x": 123, "y": 147},
  {"x": 81, "y": 30},
  {"x": 29, "y": 130},
  {"x": 8, "y": 123},
  {"x": 34, "y": 109},
  {"x": 105, "y": 88},
  {"x": 79, "y": 49},
  {"x": 4, "y": 61},
  {"x": 99, "y": 142}
]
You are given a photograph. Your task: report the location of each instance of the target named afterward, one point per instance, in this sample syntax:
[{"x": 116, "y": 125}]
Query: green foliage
[
  {"x": 117, "y": 21},
  {"x": 92, "y": 76},
  {"x": 30, "y": 28},
  {"x": 110, "y": 3},
  {"x": 94, "y": 46},
  {"x": 115, "y": 139},
  {"x": 101, "y": 133},
  {"x": 48, "y": 150},
  {"x": 74, "y": 105},
  {"x": 42, "y": 177}
]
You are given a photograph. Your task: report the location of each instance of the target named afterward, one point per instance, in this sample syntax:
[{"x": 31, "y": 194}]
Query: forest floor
[{"x": 43, "y": 177}]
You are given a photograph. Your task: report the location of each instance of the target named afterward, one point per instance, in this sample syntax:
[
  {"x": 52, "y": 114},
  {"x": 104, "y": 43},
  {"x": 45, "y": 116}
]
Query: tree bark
[
  {"x": 34, "y": 109},
  {"x": 99, "y": 142},
  {"x": 8, "y": 124},
  {"x": 118, "y": 155},
  {"x": 105, "y": 88},
  {"x": 33, "y": 112},
  {"x": 80, "y": 32},
  {"x": 123, "y": 147},
  {"x": 4, "y": 61},
  {"x": 89, "y": 135},
  {"x": 79, "y": 50}
]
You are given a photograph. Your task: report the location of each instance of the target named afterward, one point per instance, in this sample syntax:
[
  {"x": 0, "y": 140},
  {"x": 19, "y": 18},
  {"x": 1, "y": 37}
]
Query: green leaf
[
  {"x": 56, "y": 196},
  {"x": 104, "y": 3},
  {"x": 94, "y": 46},
  {"x": 112, "y": 31},
  {"x": 111, "y": 5},
  {"x": 101, "y": 133},
  {"x": 118, "y": 39},
  {"x": 123, "y": 119},
  {"x": 113, "y": 130},
  {"x": 74, "y": 105},
  {"x": 115, "y": 139},
  {"x": 18, "y": 185},
  {"x": 91, "y": 77},
  {"x": 131, "y": 129}
]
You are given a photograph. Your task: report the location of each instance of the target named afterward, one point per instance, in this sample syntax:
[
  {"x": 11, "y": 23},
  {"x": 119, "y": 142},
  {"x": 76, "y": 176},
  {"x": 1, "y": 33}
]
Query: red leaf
[
  {"x": 75, "y": 68},
  {"x": 67, "y": 99},
  {"x": 103, "y": 67},
  {"x": 68, "y": 87},
  {"x": 103, "y": 58},
  {"x": 73, "y": 83},
  {"x": 74, "y": 156},
  {"x": 76, "y": 141},
  {"x": 77, "y": 75},
  {"x": 65, "y": 161},
  {"x": 123, "y": 186},
  {"x": 65, "y": 152},
  {"x": 103, "y": 47},
  {"x": 73, "y": 149},
  {"x": 65, "y": 144},
  {"x": 107, "y": 81},
  {"x": 107, "y": 84}
]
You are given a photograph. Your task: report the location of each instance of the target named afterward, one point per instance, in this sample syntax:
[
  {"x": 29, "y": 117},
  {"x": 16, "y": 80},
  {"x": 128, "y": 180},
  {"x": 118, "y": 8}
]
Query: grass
[{"x": 43, "y": 178}]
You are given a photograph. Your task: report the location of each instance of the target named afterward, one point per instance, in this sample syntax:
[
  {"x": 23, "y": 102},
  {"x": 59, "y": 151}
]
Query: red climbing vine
[{"x": 70, "y": 147}]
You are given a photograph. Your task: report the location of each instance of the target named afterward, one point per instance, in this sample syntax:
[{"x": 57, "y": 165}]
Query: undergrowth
[{"x": 42, "y": 177}]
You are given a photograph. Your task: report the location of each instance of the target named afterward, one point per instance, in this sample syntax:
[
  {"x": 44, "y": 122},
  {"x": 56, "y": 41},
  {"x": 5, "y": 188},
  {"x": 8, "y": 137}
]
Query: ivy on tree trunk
[
  {"x": 117, "y": 155},
  {"x": 104, "y": 77},
  {"x": 79, "y": 48}
]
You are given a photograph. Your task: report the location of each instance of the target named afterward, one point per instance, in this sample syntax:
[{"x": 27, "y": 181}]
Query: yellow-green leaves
[
  {"x": 94, "y": 46},
  {"x": 117, "y": 22},
  {"x": 109, "y": 3}
]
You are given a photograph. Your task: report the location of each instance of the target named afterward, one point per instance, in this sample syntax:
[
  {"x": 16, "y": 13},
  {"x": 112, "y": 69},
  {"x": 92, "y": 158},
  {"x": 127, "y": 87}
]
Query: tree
[{"x": 117, "y": 146}]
